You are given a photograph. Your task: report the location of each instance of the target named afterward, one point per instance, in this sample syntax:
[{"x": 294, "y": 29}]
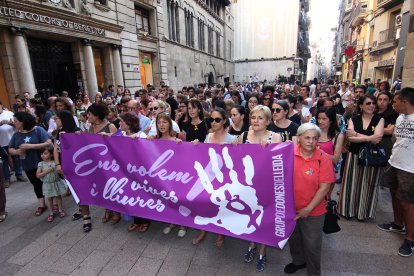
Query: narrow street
[{"x": 32, "y": 246}]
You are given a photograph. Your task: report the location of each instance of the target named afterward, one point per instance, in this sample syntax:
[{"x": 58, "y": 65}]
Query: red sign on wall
[{"x": 349, "y": 51}]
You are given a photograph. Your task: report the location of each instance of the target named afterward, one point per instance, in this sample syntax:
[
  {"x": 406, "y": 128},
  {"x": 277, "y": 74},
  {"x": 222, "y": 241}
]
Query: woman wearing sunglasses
[
  {"x": 218, "y": 135},
  {"x": 158, "y": 107},
  {"x": 281, "y": 124},
  {"x": 359, "y": 190},
  {"x": 260, "y": 118}
]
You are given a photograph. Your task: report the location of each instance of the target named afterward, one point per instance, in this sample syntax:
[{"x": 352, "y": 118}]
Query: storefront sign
[
  {"x": 145, "y": 61},
  {"x": 243, "y": 191},
  {"x": 35, "y": 17},
  {"x": 387, "y": 62}
]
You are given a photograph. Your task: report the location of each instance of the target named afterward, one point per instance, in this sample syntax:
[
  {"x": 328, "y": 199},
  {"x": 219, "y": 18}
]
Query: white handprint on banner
[{"x": 239, "y": 211}]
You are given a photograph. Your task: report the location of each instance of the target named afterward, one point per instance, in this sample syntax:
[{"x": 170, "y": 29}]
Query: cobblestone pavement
[{"x": 30, "y": 245}]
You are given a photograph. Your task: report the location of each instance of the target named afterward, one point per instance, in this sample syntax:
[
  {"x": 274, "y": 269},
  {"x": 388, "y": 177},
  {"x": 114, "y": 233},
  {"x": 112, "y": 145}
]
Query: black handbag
[
  {"x": 330, "y": 224},
  {"x": 372, "y": 156}
]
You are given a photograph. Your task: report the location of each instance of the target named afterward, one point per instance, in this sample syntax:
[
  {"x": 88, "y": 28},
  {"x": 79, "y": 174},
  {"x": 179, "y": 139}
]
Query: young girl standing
[{"x": 53, "y": 185}]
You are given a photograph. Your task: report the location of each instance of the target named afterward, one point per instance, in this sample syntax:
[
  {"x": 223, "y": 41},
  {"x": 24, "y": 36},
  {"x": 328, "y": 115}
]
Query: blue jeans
[{"x": 17, "y": 164}]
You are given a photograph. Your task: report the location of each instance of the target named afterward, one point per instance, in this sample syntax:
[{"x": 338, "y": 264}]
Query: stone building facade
[
  {"x": 47, "y": 46},
  {"x": 190, "y": 42},
  {"x": 55, "y": 45}
]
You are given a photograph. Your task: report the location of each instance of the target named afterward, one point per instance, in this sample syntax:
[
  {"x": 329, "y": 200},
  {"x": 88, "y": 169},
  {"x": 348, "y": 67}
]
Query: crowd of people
[{"x": 327, "y": 123}]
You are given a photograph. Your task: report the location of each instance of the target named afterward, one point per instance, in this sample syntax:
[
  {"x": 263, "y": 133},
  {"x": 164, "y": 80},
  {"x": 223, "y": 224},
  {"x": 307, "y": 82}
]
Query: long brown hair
[{"x": 164, "y": 116}]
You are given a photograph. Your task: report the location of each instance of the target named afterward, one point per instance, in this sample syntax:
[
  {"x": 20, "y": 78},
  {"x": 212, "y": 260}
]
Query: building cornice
[{"x": 63, "y": 14}]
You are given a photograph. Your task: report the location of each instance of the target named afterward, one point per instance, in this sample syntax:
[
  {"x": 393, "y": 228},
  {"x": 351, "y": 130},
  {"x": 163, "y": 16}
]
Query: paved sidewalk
[{"x": 30, "y": 245}]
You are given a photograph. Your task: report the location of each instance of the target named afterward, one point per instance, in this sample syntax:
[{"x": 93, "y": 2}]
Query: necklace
[{"x": 195, "y": 127}]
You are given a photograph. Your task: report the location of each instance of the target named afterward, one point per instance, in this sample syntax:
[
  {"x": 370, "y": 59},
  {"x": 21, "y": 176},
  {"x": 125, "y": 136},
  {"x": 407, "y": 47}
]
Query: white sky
[{"x": 324, "y": 16}]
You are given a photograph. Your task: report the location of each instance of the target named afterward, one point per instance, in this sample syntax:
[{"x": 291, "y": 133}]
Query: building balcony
[
  {"x": 388, "y": 3},
  {"x": 387, "y": 36},
  {"x": 358, "y": 14},
  {"x": 387, "y": 39}
]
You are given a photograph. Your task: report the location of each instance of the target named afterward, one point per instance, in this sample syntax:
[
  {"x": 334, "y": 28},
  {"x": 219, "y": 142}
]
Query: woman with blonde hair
[{"x": 260, "y": 118}]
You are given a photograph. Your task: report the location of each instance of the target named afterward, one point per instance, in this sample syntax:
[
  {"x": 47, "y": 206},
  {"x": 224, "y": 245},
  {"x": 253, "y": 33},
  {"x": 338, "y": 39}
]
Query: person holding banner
[
  {"x": 196, "y": 128},
  {"x": 312, "y": 177},
  {"x": 97, "y": 113},
  {"x": 219, "y": 125},
  {"x": 260, "y": 118}
]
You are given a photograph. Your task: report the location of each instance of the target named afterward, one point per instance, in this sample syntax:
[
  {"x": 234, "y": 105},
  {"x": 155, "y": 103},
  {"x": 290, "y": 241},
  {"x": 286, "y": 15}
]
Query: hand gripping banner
[{"x": 243, "y": 191}]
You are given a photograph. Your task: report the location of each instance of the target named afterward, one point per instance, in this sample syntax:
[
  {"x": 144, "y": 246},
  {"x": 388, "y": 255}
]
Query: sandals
[
  {"x": 87, "y": 227},
  {"x": 50, "y": 217},
  {"x": 55, "y": 209},
  {"x": 3, "y": 217},
  {"x": 39, "y": 211},
  {"x": 115, "y": 219},
  {"x": 106, "y": 217},
  {"x": 219, "y": 241},
  {"x": 199, "y": 238},
  {"x": 62, "y": 214},
  {"x": 133, "y": 227},
  {"x": 77, "y": 215},
  {"x": 143, "y": 227}
]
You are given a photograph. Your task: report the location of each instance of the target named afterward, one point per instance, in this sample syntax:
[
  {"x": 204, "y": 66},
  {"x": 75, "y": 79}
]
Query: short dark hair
[
  {"x": 407, "y": 93},
  {"x": 361, "y": 87},
  {"x": 130, "y": 120},
  {"x": 307, "y": 88},
  {"x": 223, "y": 115},
  {"x": 98, "y": 109},
  {"x": 27, "y": 119}
]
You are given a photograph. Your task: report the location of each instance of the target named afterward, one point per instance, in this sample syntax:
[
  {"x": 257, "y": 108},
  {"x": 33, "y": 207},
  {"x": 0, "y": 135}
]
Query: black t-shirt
[
  {"x": 296, "y": 119},
  {"x": 194, "y": 132},
  {"x": 357, "y": 121},
  {"x": 174, "y": 106},
  {"x": 390, "y": 117},
  {"x": 238, "y": 132},
  {"x": 286, "y": 133}
]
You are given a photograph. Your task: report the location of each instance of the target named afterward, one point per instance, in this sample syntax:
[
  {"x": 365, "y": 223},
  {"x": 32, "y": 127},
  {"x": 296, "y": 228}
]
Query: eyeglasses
[
  {"x": 153, "y": 108},
  {"x": 217, "y": 120},
  {"x": 369, "y": 103},
  {"x": 277, "y": 110}
]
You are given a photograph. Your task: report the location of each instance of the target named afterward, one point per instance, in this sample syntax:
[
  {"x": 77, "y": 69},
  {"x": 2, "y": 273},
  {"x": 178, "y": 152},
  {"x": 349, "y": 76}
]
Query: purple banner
[{"x": 243, "y": 191}]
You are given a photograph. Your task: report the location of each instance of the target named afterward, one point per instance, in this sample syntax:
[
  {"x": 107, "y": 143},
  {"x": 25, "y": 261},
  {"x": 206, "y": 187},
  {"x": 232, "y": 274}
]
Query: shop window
[{"x": 142, "y": 20}]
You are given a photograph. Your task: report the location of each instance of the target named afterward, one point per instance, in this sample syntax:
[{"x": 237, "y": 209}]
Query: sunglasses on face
[
  {"x": 217, "y": 120},
  {"x": 277, "y": 110},
  {"x": 153, "y": 108},
  {"x": 266, "y": 99},
  {"x": 369, "y": 103}
]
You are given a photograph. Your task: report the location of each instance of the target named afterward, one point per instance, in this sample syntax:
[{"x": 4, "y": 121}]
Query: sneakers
[
  {"x": 249, "y": 256},
  {"x": 181, "y": 233},
  {"x": 292, "y": 268},
  {"x": 392, "y": 227},
  {"x": 261, "y": 262},
  {"x": 406, "y": 249},
  {"x": 21, "y": 178},
  {"x": 167, "y": 230}
]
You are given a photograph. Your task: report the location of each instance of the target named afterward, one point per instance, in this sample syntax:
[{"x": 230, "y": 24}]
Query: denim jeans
[{"x": 17, "y": 164}]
